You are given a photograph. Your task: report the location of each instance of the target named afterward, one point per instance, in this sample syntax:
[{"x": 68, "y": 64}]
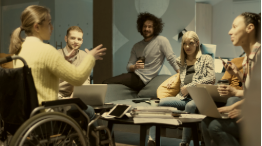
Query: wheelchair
[{"x": 24, "y": 123}]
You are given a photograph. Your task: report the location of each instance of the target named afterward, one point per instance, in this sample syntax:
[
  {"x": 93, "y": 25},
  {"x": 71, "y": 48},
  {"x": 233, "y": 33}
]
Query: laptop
[
  {"x": 212, "y": 90},
  {"x": 93, "y": 94},
  {"x": 205, "y": 103}
]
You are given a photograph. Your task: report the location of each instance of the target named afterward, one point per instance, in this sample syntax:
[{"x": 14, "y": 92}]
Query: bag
[{"x": 163, "y": 91}]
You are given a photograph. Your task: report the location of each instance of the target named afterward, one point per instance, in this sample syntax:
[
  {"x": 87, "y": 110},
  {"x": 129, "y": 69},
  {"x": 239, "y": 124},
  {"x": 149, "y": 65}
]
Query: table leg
[
  {"x": 143, "y": 130},
  {"x": 110, "y": 128},
  {"x": 157, "y": 135},
  {"x": 194, "y": 128}
]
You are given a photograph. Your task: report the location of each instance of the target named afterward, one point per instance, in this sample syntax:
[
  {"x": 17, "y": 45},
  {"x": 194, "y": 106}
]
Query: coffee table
[{"x": 186, "y": 122}]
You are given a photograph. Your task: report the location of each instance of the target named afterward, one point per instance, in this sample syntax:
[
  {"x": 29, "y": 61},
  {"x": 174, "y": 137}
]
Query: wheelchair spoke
[
  {"x": 67, "y": 135},
  {"x": 41, "y": 132},
  {"x": 51, "y": 124},
  {"x": 58, "y": 132}
]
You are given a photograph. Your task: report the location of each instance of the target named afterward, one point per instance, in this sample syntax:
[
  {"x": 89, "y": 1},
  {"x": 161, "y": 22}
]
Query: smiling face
[
  {"x": 148, "y": 29},
  {"x": 238, "y": 31},
  {"x": 189, "y": 46},
  {"x": 45, "y": 29},
  {"x": 74, "y": 40}
]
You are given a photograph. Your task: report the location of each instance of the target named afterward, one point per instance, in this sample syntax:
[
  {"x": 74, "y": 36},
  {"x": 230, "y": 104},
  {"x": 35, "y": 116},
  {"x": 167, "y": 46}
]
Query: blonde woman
[
  {"x": 195, "y": 68},
  {"x": 46, "y": 64}
]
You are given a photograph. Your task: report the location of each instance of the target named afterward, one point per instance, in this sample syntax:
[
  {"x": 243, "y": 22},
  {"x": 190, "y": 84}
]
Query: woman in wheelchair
[{"x": 46, "y": 64}]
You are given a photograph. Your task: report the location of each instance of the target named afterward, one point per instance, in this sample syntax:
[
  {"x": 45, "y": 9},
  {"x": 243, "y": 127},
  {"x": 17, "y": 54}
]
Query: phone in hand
[
  {"x": 222, "y": 60},
  {"x": 141, "y": 59}
]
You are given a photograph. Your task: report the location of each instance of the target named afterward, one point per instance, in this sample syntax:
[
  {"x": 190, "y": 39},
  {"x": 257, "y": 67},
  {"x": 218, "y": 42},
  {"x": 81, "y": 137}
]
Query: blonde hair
[
  {"x": 31, "y": 15},
  {"x": 188, "y": 35}
]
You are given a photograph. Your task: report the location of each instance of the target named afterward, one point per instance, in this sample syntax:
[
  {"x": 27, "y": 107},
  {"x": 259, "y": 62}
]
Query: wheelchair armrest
[{"x": 77, "y": 101}]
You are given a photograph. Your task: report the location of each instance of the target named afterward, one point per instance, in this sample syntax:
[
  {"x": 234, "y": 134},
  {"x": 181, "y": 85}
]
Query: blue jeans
[
  {"x": 187, "y": 105},
  {"x": 91, "y": 114},
  {"x": 221, "y": 132}
]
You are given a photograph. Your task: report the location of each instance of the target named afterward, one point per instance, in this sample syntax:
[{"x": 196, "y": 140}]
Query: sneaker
[
  {"x": 103, "y": 135},
  {"x": 184, "y": 144},
  {"x": 151, "y": 143}
]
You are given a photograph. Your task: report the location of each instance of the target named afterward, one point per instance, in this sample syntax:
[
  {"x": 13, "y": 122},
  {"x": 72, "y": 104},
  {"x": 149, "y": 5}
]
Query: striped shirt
[
  {"x": 204, "y": 72},
  {"x": 154, "y": 51}
]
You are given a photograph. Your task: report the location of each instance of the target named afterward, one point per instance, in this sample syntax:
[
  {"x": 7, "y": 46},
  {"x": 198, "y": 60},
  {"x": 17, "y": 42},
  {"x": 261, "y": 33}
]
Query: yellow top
[{"x": 47, "y": 66}]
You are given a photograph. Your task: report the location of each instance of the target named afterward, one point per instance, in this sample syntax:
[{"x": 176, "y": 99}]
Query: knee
[
  {"x": 232, "y": 100},
  {"x": 105, "y": 81},
  {"x": 214, "y": 127},
  {"x": 190, "y": 107},
  {"x": 165, "y": 101},
  {"x": 90, "y": 112}
]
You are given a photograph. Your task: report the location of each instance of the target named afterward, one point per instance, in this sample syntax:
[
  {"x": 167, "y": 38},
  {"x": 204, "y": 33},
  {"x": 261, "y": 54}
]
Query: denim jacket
[{"x": 204, "y": 72}]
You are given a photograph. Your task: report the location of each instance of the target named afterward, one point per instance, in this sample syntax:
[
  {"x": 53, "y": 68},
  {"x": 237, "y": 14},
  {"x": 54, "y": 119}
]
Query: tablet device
[{"x": 119, "y": 110}]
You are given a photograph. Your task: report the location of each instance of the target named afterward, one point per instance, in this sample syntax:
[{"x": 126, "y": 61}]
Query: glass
[{"x": 222, "y": 82}]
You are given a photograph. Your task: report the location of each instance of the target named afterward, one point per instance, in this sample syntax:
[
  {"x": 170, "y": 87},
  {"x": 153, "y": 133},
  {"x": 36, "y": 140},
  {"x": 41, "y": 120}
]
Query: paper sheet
[
  {"x": 192, "y": 116},
  {"x": 170, "y": 121},
  {"x": 106, "y": 116}
]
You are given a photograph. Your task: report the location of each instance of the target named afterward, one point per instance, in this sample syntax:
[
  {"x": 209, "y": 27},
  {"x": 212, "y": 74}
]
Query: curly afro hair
[{"x": 157, "y": 22}]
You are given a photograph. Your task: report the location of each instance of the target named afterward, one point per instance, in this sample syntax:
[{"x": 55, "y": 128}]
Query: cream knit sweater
[{"x": 48, "y": 66}]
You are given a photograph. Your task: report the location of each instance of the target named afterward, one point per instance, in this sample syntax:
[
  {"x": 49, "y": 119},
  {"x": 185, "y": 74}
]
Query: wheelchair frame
[{"x": 35, "y": 112}]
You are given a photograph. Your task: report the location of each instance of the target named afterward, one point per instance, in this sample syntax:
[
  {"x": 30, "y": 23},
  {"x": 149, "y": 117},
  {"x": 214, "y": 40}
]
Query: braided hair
[{"x": 255, "y": 19}]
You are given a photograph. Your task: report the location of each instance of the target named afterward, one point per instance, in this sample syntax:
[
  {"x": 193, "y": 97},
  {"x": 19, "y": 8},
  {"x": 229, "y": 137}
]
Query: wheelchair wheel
[{"x": 49, "y": 129}]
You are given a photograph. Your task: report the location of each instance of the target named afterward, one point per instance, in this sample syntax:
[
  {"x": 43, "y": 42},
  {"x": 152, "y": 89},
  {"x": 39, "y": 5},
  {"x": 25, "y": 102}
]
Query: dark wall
[
  {"x": 15, "y": 2},
  {"x": 102, "y": 34}
]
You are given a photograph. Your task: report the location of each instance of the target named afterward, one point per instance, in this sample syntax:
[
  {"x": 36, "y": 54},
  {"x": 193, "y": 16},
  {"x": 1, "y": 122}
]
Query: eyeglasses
[{"x": 190, "y": 44}]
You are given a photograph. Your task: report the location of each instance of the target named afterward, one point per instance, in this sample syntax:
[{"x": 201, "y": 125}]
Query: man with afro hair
[{"x": 147, "y": 56}]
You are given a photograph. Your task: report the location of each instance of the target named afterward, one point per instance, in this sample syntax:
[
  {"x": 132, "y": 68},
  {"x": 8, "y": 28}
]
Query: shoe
[
  {"x": 103, "y": 135},
  {"x": 184, "y": 144},
  {"x": 151, "y": 143}
]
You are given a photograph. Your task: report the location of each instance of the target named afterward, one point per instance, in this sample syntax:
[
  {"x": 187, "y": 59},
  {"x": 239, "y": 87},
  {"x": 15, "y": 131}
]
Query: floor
[{"x": 132, "y": 139}]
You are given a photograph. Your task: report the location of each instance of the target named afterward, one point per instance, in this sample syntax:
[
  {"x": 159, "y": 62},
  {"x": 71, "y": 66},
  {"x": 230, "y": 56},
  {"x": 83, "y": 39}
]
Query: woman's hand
[
  {"x": 234, "y": 113},
  {"x": 97, "y": 52},
  {"x": 226, "y": 91},
  {"x": 225, "y": 109},
  {"x": 231, "y": 68},
  {"x": 184, "y": 91}
]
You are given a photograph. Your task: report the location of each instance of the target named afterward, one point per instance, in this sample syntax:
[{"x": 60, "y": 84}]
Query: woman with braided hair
[{"x": 245, "y": 32}]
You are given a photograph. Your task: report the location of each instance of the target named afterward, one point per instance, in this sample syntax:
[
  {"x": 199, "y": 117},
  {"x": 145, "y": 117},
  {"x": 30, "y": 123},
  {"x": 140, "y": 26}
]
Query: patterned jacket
[{"x": 204, "y": 72}]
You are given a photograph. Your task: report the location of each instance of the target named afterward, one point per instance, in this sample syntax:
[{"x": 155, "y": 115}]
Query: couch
[{"x": 117, "y": 92}]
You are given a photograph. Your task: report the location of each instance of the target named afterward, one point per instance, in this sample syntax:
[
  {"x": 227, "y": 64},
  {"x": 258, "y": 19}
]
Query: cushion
[
  {"x": 150, "y": 89},
  {"x": 163, "y": 91},
  {"x": 119, "y": 92},
  {"x": 209, "y": 49}
]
